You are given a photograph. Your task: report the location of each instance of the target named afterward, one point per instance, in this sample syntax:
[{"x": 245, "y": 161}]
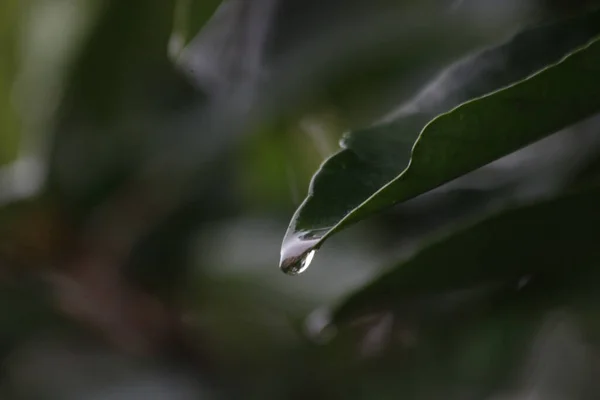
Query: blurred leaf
[
  {"x": 50, "y": 35},
  {"x": 121, "y": 86},
  {"x": 507, "y": 305},
  {"x": 372, "y": 57},
  {"x": 190, "y": 17},
  {"x": 376, "y": 170},
  {"x": 515, "y": 340},
  {"x": 9, "y": 135},
  {"x": 552, "y": 238}
]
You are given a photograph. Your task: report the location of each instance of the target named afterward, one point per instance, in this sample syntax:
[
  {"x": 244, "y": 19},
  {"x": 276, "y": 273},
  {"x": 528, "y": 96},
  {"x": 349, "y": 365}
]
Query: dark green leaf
[
  {"x": 554, "y": 239},
  {"x": 376, "y": 169},
  {"x": 506, "y": 341}
]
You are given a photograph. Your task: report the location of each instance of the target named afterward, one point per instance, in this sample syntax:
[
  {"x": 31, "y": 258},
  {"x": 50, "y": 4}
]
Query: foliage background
[{"x": 153, "y": 153}]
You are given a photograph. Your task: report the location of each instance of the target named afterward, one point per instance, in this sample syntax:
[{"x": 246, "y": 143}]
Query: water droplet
[
  {"x": 297, "y": 254},
  {"x": 297, "y": 265}
]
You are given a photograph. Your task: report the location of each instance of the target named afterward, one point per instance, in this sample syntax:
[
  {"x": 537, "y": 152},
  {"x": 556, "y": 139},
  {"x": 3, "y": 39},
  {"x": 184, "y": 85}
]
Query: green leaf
[
  {"x": 554, "y": 239},
  {"x": 529, "y": 332},
  {"x": 497, "y": 290},
  {"x": 511, "y": 96}
]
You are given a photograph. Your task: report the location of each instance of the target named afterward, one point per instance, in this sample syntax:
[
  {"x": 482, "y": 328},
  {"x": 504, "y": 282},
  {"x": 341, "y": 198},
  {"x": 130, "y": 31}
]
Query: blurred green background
[{"x": 152, "y": 154}]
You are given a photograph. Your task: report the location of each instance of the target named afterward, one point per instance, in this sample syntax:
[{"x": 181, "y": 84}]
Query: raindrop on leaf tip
[{"x": 297, "y": 265}]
